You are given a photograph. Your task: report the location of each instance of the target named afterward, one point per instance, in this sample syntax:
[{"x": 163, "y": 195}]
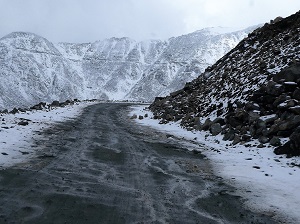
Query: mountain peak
[
  {"x": 219, "y": 30},
  {"x": 30, "y": 42}
]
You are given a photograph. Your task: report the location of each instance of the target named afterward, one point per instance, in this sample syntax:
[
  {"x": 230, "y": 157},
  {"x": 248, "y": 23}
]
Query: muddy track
[{"x": 103, "y": 168}]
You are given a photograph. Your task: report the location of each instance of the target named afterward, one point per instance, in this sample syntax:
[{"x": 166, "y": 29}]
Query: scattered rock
[
  {"x": 133, "y": 116},
  {"x": 14, "y": 111},
  {"x": 23, "y": 123}
]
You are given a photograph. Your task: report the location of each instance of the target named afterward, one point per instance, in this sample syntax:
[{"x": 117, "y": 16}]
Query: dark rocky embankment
[{"x": 253, "y": 92}]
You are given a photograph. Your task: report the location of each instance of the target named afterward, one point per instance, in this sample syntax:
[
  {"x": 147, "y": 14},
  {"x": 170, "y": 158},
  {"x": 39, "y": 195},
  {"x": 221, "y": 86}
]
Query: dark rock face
[{"x": 254, "y": 90}]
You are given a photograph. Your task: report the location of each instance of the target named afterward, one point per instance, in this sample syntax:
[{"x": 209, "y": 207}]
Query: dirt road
[{"x": 103, "y": 168}]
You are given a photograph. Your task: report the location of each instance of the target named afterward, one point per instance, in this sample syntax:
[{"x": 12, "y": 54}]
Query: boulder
[
  {"x": 206, "y": 125},
  {"x": 284, "y": 149},
  {"x": 39, "y": 106},
  {"x": 233, "y": 122},
  {"x": 289, "y": 74},
  {"x": 219, "y": 120},
  {"x": 292, "y": 123},
  {"x": 275, "y": 141},
  {"x": 296, "y": 94},
  {"x": 229, "y": 135},
  {"x": 241, "y": 115},
  {"x": 169, "y": 117},
  {"x": 253, "y": 117},
  {"x": 295, "y": 141},
  {"x": 269, "y": 119},
  {"x": 285, "y": 125},
  {"x": 55, "y": 103},
  {"x": 282, "y": 98},
  {"x": 295, "y": 110},
  {"x": 268, "y": 99},
  {"x": 275, "y": 89},
  {"x": 288, "y": 149},
  {"x": 251, "y": 106},
  {"x": 290, "y": 86},
  {"x": 215, "y": 129},
  {"x": 246, "y": 137},
  {"x": 263, "y": 139},
  {"x": 236, "y": 140}
]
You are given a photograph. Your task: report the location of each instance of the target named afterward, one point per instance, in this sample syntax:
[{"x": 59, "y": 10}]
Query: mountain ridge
[{"x": 33, "y": 69}]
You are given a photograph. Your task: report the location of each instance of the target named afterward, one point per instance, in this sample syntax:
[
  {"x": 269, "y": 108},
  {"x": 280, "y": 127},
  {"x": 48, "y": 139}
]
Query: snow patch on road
[
  {"x": 16, "y": 140},
  {"x": 270, "y": 183}
]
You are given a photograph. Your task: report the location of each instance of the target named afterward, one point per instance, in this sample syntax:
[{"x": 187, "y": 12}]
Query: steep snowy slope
[
  {"x": 184, "y": 59},
  {"x": 32, "y": 70},
  {"x": 113, "y": 66}
]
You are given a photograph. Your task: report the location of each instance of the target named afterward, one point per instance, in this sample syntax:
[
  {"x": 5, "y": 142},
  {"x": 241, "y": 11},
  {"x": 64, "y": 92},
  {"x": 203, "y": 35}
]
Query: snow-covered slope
[
  {"x": 184, "y": 59},
  {"x": 32, "y": 69},
  {"x": 113, "y": 66}
]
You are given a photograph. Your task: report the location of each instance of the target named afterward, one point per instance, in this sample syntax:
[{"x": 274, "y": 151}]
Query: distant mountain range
[{"x": 32, "y": 69}]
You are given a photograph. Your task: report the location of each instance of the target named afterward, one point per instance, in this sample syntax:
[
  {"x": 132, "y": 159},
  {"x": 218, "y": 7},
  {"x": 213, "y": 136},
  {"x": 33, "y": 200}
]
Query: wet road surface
[{"x": 103, "y": 168}]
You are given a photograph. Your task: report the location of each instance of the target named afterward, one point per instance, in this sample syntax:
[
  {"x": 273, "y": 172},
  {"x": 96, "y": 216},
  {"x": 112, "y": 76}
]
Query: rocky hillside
[
  {"x": 251, "y": 92},
  {"x": 32, "y": 69}
]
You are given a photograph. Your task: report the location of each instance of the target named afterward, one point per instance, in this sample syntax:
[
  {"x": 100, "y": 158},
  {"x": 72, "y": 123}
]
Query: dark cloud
[{"x": 90, "y": 20}]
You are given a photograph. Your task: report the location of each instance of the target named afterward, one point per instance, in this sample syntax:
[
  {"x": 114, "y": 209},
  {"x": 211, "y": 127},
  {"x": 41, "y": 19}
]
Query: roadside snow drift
[
  {"x": 269, "y": 182},
  {"x": 17, "y": 131}
]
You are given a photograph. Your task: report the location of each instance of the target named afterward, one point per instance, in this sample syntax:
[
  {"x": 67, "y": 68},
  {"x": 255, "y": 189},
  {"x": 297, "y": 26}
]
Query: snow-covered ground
[
  {"x": 16, "y": 140},
  {"x": 268, "y": 182}
]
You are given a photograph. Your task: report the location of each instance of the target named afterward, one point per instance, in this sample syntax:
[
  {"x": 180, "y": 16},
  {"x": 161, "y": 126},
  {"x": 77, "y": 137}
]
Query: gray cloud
[{"x": 90, "y": 20}]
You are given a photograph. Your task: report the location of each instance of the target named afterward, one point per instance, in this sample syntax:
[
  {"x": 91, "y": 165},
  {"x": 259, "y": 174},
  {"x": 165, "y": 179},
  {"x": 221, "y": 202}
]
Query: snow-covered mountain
[
  {"x": 184, "y": 58},
  {"x": 32, "y": 69}
]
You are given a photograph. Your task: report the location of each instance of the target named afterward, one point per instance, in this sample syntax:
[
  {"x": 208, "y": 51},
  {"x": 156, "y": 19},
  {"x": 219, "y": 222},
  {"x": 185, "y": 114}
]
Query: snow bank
[
  {"x": 270, "y": 183},
  {"x": 16, "y": 140}
]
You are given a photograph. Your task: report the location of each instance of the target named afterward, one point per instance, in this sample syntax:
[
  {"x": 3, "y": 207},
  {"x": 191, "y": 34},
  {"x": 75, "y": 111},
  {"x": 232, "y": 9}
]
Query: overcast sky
[{"x": 89, "y": 20}]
